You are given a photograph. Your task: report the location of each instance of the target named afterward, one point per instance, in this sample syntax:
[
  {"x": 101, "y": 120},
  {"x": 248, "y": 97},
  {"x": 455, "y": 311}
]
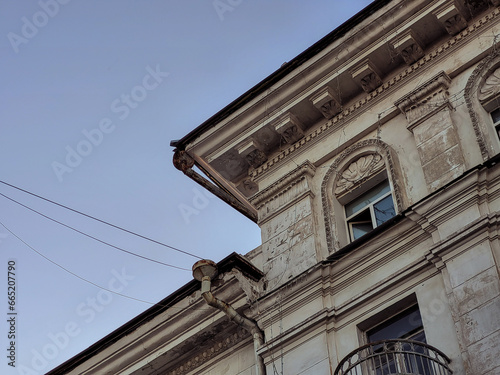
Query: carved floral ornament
[
  {"x": 358, "y": 171},
  {"x": 491, "y": 87}
]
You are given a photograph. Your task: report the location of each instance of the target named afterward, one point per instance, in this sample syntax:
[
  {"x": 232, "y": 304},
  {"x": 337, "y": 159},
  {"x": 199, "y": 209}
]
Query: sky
[{"x": 91, "y": 94}]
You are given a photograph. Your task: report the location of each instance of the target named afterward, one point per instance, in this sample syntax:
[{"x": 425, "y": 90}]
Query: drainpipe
[
  {"x": 184, "y": 162},
  {"x": 205, "y": 271}
]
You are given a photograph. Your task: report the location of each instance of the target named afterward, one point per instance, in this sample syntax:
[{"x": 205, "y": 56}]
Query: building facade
[{"x": 370, "y": 163}]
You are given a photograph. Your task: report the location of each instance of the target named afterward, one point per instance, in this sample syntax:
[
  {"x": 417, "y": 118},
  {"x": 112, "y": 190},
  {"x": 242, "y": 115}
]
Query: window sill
[{"x": 365, "y": 238}]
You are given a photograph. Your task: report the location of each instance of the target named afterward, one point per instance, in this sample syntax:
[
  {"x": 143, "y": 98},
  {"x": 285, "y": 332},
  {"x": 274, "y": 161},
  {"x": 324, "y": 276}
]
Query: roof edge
[
  {"x": 285, "y": 69},
  {"x": 230, "y": 262}
]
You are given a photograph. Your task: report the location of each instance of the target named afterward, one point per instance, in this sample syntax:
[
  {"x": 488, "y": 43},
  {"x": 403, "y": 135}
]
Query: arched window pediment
[
  {"x": 359, "y": 173},
  {"x": 482, "y": 96}
]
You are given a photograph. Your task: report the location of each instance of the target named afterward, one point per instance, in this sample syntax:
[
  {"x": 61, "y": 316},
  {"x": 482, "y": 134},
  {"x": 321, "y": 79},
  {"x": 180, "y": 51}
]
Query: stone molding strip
[{"x": 470, "y": 94}]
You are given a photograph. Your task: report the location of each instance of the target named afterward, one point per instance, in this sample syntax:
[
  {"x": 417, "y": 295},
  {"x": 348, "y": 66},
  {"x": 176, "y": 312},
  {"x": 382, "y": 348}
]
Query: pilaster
[{"x": 427, "y": 110}]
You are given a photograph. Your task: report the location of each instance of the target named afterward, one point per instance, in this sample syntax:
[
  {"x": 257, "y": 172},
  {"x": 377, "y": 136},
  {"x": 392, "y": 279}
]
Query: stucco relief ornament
[
  {"x": 359, "y": 170},
  {"x": 370, "y": 82},
  {"x": 412, "y": 53},
  {"x": 329, "y": 109},
  {"x": 491, "y": 87},
  {"x": 455, "y": 24},
  {"x": 292, "y": 134},
  {"x": 256, "y": 158},
  {"x": 477, "y": 4}
]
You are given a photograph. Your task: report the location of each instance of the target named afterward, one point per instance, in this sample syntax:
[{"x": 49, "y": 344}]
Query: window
[
  {"x": 399, "y": 357},
  {"x": 495, "y": 116},
  {"x": 369, "y": 209},
  {"x": 351, "y": 182},
  {"x": 406, "y": 325}
]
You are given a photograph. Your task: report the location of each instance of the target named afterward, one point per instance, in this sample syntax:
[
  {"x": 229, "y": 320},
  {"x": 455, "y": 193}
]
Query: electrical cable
[
  {"x": 94, "y": 238},
  {"x": 101, "y": 221},
  {"x": 70, "y": 272},
  {"x": 88, "y": 281}
]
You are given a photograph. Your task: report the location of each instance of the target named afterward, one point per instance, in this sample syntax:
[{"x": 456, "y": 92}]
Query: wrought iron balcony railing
[{"x": 395, "y": 357}]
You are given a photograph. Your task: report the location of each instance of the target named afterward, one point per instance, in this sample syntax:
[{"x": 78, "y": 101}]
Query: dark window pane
[
  {"x": 361, "y": 228},
  {"x": 365, "y": 199},
  {"x": 495, "y": 115},
  {"x": 418, "y": 336},
  {"x": 401, "y": 326},
  {"x": 384, "y": 210},
  {"x": 361, "y": 224}
]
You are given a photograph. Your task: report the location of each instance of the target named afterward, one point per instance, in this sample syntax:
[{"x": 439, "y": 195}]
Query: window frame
[
  {"x": 362, "y": 189},
  {"x": 406, "y": 312},
  {"x": 496, "y": 113},
  {"x": 400, "y": 311}
]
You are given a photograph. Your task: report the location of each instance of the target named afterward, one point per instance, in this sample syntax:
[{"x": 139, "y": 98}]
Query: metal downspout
[{"x": 249, "y": 325}]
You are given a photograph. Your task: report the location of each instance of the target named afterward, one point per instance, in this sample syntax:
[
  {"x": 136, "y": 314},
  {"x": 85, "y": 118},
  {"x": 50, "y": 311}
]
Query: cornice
[
  {"x": 454, "y": 200},
  {"x": 280, "y": 186},
  {"x": 366, "y": 259},
  {"x": 485, "y": 228},
  {"x": 425, "y": 100},
  {"x": 294, "y": 303},
  {"x": 292, "y": 335},
  {"x": 352, "y": 111},
  {"x": 300, "y": 288}
]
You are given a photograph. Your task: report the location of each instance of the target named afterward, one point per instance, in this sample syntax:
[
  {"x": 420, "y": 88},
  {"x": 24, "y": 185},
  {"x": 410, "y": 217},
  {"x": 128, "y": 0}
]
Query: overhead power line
[
  {"x": 91, "y": 282},
  {"x": 70, "y": 272},
  {"x": 102, "y": 221},
  {"x": 94, "y": 238},
  {"x": 63, "y": 268}
]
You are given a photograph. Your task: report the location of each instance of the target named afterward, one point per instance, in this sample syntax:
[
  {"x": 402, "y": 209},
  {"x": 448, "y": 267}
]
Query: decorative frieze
[
  {"x": 351, "y": 111},
  {"x": 207, "y": 354},
  {"x": 366, "y": 75},
  {"x": 409, "y": 47},
  {"x": 326, "y": 103},
  {"x": 289, "y": 127},
  {"x": 452, "y": 19}
]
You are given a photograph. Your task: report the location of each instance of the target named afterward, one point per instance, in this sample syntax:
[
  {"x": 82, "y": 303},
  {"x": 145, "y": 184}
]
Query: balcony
[{"x": 395, "y": 357}]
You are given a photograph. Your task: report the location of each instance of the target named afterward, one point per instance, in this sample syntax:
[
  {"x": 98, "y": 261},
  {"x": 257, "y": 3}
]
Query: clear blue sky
[{"x": 92, "y": 92}]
